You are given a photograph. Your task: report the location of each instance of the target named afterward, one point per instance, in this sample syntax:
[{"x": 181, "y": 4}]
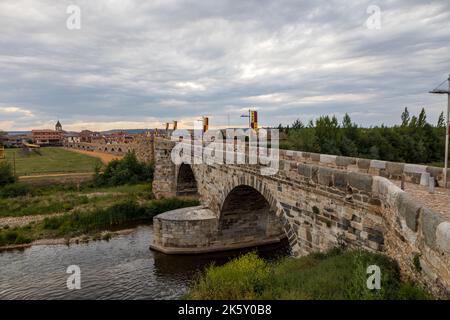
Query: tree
[
  {"x": 441, "y": 121},
  {"x": 422, "y": 119},
  {"x": 405, "y": 118},
  {"x": 347, "y": 122},
  {"x": 413, "y": 122},
  {"x": 6, "y": 174},
  {"x": 298, "y": 124}
]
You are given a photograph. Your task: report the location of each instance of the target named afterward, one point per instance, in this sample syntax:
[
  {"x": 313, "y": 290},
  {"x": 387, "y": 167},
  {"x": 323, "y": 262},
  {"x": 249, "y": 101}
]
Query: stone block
[
  {"x": 435, "y": 171},
  {"x": 394, "y": 168},
  {"x": 326, "y": 158},
  {"x": 443, "y": 236},
  {"x": 340, "y": 179},
  {"x": 429, "y": 223},
  {"x": 360, "y": 182},
  {"x": 345, "y": 161},
  {"x": 315, "y": 157},
  {"x": 363, "y": 164},
  {"x": 306, "y": 155},
  {"x": 409, "y": 209},
  {"x": 325, "y": 176},
  {"x": 304, "y": 170},
  {"x": 378, "y": 164}
]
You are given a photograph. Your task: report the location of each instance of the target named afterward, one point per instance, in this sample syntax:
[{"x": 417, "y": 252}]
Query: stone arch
[
  {"x": 255, "y": 202},
  {"x": 186, "y": 183},
  {"x": 250, "y": 181}
]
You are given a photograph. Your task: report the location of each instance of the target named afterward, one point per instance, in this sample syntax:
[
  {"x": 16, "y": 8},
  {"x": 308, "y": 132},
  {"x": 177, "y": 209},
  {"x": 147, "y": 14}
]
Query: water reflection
[{"x": 123, "y": 268}]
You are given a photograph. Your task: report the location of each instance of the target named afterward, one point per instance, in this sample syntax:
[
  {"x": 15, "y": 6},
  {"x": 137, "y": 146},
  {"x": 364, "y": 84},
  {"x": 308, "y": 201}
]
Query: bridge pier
[
  {"x": 164, "y": 180},
  {"x": 197, "y": 230}
]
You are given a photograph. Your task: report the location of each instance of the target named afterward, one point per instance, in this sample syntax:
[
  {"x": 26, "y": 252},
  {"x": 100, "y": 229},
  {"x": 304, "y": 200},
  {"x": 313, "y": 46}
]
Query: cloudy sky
[{"x": 137, "y": 64}]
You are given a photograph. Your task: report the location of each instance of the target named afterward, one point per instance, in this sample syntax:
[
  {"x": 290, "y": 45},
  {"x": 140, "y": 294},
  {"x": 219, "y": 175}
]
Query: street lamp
[{"x": 447, "y": 129}]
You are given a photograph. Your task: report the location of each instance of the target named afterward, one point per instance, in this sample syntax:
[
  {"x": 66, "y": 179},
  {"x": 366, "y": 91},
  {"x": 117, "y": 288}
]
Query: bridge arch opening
[
  {"x": 186, "y": 182},
  {"x": 246, "y": 213}
]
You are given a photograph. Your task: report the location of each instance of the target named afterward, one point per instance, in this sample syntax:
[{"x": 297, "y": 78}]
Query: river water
[{"x": 122, "y": 268}]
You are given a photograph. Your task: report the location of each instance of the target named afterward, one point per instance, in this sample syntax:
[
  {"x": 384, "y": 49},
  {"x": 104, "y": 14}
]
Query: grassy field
[
  {"x": 58, "y": 201},
  {"x": 52, "y": 160},
  {"x": 337, "y": 275}
]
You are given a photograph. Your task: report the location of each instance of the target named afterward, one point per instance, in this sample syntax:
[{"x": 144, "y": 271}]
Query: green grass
[
  {"x": 51, "y": 160},
  {"x": 49, "y": 200},
  {"x": 339, "y": 274},
  {"x": 91, "y": 221}
]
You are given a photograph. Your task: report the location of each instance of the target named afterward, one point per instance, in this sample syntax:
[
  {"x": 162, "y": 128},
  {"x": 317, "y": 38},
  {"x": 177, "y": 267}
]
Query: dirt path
[
  {"x": 55, "y": 175},
  {"x": 104, "y": 157},
  {"x": 24, "y": 220}
]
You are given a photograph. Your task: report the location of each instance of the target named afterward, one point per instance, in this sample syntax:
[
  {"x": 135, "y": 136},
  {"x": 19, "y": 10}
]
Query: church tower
[{"x": 58, "y": 126}]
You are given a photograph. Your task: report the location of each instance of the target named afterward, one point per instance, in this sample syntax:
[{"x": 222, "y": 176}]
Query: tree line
[{"x": 415, "y": 140}]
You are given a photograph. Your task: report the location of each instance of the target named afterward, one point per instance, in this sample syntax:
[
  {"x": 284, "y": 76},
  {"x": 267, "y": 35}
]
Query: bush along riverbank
[
  {"x": 340, "y": 274},
  {"x": 91, "y": 222}
]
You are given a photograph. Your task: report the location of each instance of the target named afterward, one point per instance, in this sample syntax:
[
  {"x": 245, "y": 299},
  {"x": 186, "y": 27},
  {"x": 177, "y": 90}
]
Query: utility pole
[{"x": 447, "y": 128}]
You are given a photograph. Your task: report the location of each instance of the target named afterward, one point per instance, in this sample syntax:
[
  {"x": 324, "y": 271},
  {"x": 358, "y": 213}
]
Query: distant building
[
  {"x": 119, "y": 137},
  {"x": 14, "y": 141},
  {"x": 48, "y": 137},
  {"x": 90, "y": 136},
  {"x": 72, "y": 137}
]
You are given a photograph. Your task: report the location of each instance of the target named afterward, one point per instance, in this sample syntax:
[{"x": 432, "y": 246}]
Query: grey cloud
[{"x": 134, "y": 60}]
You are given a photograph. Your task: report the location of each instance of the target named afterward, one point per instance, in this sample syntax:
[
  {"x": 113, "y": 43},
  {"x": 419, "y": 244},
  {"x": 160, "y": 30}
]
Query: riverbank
[
  {"x": 340, "y": 274},
  {"x": 89, "y": 223},
  {"x": 103, "y": 236}
]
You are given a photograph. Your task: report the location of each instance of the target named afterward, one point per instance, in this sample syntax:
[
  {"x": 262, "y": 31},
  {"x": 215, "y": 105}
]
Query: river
[{"x": 121, "y": 268}]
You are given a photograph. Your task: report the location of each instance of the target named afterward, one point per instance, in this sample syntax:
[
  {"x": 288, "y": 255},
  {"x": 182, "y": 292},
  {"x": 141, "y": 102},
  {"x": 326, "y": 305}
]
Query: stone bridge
[
  {"x": 315, "y": 201},
  {"x": 143, "y": 148}
]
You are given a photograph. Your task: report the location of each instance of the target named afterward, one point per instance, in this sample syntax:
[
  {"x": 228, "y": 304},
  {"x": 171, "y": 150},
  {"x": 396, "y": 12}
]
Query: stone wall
[
  {"x": 393, "y": 170},
  {"x": 320, "y": 206}
]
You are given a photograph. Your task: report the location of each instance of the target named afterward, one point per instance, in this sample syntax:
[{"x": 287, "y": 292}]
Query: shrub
[
  {"x": 126, "y": 171},
  {"x": 9, "y": 237},
  {"x": 6, "y": 174},
  {"x": 242, "y": 278},
  {"x": 15, "y": 190},
  {"x": 338, "y": 274}
]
